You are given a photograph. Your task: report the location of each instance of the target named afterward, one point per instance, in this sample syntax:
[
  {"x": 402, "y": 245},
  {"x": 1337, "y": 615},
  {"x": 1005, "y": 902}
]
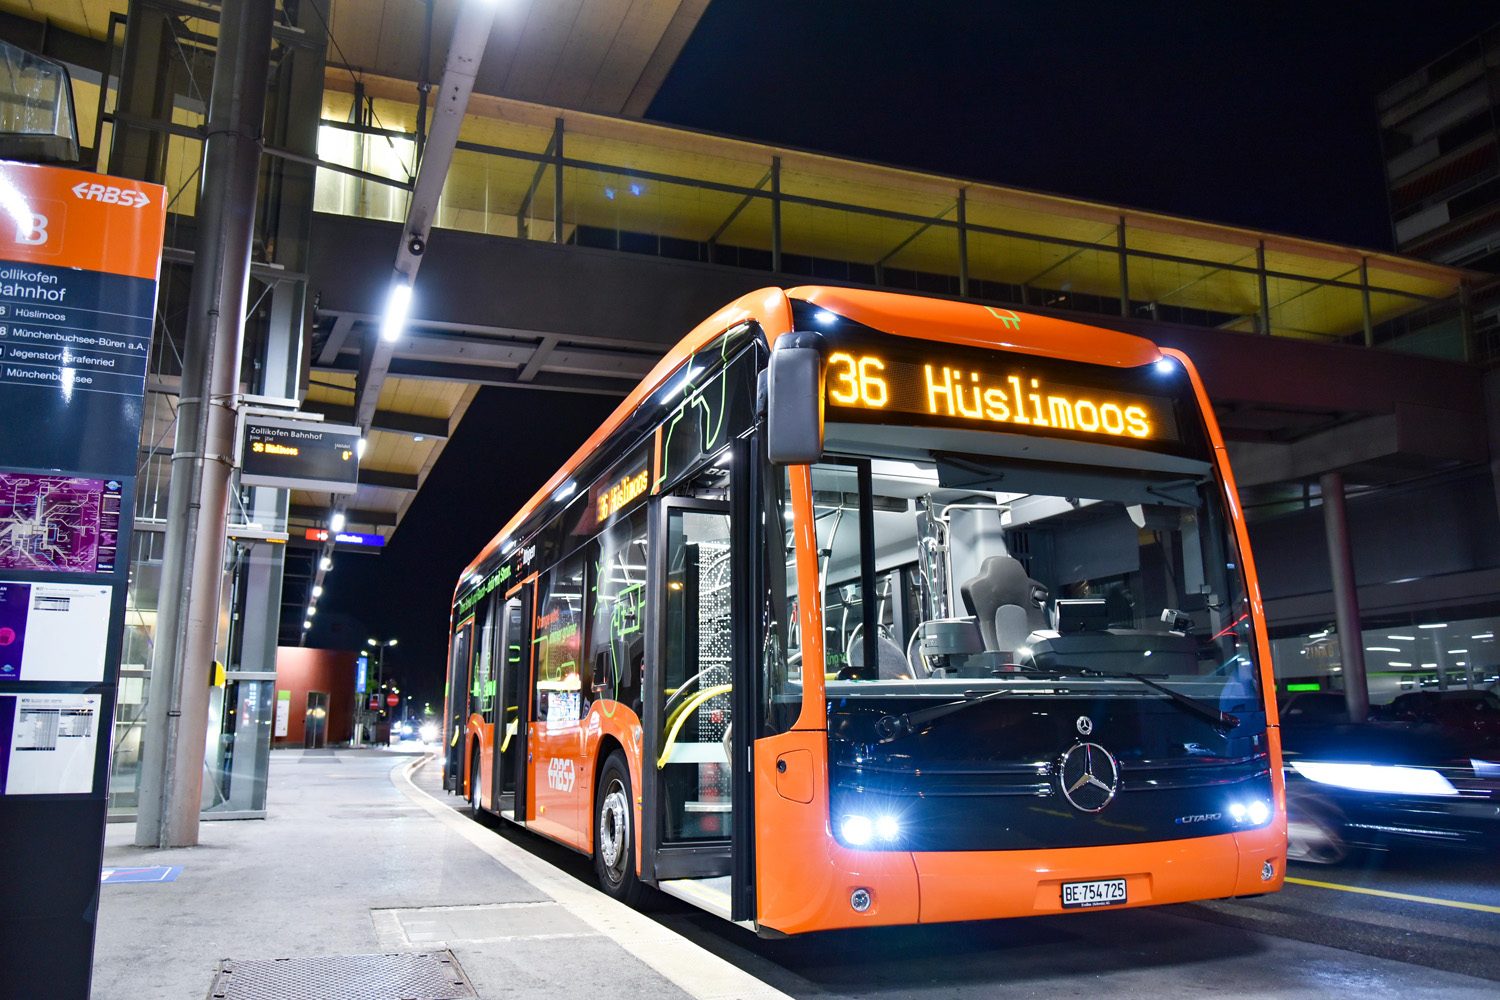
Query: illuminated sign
[
  {"x": 621, "y": 493},
  {"x": 344, "y": 537},
  {"x": 1013, "y": 399},
  {"x": 299, "y": 454}
]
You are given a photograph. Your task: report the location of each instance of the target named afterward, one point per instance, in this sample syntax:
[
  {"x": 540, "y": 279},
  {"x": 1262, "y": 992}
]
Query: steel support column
[
  {"x": 963, "y": 244},
  {"x": 1364, "y": 297},
  {"x": 1124, "y": 273},
  {"x": 1345, "y": 596},
  {"x": 775, "y": 215},
  {"x": 193, "y": 562},
  {"x": 1265, "y": 294}
]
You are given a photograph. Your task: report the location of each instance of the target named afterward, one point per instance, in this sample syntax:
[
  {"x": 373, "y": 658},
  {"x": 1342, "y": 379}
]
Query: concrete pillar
[{"x": 1345, "y": 596}]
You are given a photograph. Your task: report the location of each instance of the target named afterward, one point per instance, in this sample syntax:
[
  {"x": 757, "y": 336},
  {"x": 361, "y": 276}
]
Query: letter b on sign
[{"x": 31, "y": 231}]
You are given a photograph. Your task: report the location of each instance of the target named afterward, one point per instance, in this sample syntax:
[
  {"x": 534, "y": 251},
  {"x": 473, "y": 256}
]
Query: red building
[{"x": 314, "y": 697}]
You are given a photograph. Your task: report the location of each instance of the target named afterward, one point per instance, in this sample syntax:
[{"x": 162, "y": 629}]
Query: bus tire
[
  {"x": 614, "y": 832},
  {"x": 474, "y": 799}
]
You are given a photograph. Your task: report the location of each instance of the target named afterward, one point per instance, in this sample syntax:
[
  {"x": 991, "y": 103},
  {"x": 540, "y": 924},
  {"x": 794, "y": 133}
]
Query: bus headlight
[
  {"x": 887, "y": 828},
  {"x": 1255, "y": 812},
  {"x": 856, "y": 830}
]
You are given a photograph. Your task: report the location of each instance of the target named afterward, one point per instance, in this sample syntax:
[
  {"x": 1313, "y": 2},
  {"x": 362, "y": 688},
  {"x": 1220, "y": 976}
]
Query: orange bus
[{"x": 868, "y": 608}]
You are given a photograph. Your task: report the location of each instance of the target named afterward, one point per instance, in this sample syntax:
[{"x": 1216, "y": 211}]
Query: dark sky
[{"x": 1259, "y": 115}]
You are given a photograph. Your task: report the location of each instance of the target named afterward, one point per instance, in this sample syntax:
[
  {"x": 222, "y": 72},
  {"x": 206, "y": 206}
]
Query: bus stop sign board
[{"x": 79, "y": 254}]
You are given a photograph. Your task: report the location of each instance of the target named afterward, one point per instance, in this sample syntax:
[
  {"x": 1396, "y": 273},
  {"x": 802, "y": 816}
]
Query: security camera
[{"x": 416, "y": 245}]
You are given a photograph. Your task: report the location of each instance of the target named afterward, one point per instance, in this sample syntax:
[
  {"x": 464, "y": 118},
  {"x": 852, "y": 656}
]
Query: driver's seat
[{"x": 1007, "y": 602}]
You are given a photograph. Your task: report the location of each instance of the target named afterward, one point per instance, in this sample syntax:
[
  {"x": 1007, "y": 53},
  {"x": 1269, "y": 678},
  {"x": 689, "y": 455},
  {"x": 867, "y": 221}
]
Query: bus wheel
[
  {"x": 614, "y": 832},
  {"x": 474, "y": 783}
]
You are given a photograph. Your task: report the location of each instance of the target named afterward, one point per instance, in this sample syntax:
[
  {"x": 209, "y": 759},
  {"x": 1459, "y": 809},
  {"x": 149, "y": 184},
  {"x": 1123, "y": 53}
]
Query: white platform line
[{"x": 695, "y": 970}]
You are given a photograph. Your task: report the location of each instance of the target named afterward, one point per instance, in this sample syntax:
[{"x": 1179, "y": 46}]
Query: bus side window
[
  {"x": 561, "y": 669},
  {"x": 618, "y": 611},
  {"x": 781, "y": 646}
]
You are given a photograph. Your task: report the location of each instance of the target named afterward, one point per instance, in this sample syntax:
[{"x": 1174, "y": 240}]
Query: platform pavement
[{"x": 354, "y": 859}]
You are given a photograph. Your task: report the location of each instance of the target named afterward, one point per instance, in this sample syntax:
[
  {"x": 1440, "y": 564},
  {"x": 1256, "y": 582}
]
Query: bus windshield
[{"x": 977, "y": 573}]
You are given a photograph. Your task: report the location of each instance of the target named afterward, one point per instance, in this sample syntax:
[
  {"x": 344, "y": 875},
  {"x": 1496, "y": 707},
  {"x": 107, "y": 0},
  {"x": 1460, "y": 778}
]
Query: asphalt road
[{"x": 1306, "y": 941}]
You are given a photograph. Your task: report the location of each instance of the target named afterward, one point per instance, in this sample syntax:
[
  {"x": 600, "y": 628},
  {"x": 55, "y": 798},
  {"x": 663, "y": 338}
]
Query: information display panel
[{"x": 299, "y": 454}]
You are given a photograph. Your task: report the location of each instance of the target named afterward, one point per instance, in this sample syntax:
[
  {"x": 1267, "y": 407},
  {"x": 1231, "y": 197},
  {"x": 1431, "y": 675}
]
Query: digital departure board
[
  {"x": 1018, "y": 395},
  {"x": 300, "y": 454}
]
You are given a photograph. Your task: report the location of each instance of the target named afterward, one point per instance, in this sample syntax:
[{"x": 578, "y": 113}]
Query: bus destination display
[{"x": 1013, "y": 399}]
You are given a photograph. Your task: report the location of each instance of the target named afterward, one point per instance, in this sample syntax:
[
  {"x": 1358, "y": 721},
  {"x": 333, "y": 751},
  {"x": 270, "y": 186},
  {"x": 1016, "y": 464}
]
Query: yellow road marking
[{"x": 1458, "y": 904}]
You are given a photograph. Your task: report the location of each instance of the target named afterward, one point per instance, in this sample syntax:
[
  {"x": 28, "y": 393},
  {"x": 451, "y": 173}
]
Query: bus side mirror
[{"x": 794, "y": 405}]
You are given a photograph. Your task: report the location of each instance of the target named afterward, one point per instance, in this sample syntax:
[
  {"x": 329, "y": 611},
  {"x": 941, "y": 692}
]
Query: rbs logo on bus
[{"x": 560, "y": 774}]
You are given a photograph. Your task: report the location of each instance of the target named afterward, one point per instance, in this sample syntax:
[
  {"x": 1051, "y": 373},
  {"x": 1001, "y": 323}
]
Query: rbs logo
[{"x": 560, "y": 774}]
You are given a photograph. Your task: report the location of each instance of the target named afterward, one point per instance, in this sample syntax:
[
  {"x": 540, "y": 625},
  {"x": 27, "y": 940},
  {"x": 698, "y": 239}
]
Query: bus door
[
  {"x": 688, "y": 807},
  {"x": 559, "y": 690},
  {"x": 457, "y": 700},
  {"x": 512, "y": 680}
]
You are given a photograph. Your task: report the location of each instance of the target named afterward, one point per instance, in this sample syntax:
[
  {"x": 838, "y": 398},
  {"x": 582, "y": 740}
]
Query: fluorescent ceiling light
[
  {"x": 1440, "y": 625},
  {"x": 1408, "y": 638},
  {"x": 336, "y": 522},
  {"x": 395, "y": 311},
  {"x": 1381, "y": 649}
]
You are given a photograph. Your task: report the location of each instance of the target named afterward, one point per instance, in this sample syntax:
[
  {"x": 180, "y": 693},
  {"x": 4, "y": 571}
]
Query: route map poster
[{"x": 58, "y": 523}]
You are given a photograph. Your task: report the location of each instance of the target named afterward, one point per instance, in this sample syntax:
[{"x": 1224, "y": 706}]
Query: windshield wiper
[
  {"x": 1222, "y": 720},
  {"x": 894, "y": 727}
]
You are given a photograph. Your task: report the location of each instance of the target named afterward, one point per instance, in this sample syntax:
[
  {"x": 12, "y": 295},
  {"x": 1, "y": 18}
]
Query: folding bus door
[{"x": 688, "y": 819}]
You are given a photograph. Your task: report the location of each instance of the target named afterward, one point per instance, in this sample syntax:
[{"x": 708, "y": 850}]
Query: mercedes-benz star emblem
[
  {"x": 1085, "y": 725},
  {"x": 1089, "y": 777}
]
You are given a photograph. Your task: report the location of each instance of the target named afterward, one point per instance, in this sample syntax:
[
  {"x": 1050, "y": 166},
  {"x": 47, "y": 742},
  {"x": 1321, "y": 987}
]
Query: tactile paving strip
[{"x": 434, "y": 976}]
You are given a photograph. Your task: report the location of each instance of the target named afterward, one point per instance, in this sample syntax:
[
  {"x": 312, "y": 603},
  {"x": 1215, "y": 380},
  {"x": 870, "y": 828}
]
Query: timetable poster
[
  {"x": 49, "y": 742},
  {"x": 53, "y": 631}
]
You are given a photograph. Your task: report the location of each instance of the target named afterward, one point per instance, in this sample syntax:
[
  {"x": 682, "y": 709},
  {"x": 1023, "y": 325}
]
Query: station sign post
[{"x": 79, "y": 256}]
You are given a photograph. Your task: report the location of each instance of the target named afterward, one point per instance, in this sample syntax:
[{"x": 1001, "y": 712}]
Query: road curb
[{"x": 693, "y": 969}]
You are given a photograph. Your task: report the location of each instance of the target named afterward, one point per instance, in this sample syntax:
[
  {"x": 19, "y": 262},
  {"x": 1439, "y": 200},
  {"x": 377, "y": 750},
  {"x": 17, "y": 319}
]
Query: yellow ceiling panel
[{"x": 1180, "y": 244}]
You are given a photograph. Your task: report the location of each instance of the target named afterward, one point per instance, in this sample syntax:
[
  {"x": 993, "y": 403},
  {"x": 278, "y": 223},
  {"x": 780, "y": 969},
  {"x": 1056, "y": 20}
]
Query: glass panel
[
  {"x": 617, "y": 640},
  {"x": 240, "y": 748},
  {"x": 560, "y": 680},
  {"x": 1432, "y": 329},
  {"x": 1198, "y": 294},
  {"x": 1308, "y": 309},
  {"x": 1407, "y": 667},
  {"x": 697, "y": 677},
  {"x": 782, "y": 636},
  {"x": 618, "y": 210}
]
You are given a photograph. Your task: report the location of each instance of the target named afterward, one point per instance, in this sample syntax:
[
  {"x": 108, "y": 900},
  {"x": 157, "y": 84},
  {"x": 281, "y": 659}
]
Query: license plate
[{"x": 1105, "y": 892}]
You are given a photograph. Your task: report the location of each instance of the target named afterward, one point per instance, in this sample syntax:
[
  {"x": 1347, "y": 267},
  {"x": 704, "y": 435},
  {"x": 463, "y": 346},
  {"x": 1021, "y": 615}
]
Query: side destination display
[{"x": 299, "y": 455}]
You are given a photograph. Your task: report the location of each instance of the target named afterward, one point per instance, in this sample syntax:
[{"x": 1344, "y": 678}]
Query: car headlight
[{"x": 1395, "y": 778}]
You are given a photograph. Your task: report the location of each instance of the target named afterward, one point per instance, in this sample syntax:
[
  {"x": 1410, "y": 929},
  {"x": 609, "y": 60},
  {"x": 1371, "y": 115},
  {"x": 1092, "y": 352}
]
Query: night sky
[{"x": 1260, "y": 115}]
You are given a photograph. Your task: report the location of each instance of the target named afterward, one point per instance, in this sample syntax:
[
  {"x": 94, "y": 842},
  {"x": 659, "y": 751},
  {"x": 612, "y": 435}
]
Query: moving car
[{"x": 1379, "y": 784}]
